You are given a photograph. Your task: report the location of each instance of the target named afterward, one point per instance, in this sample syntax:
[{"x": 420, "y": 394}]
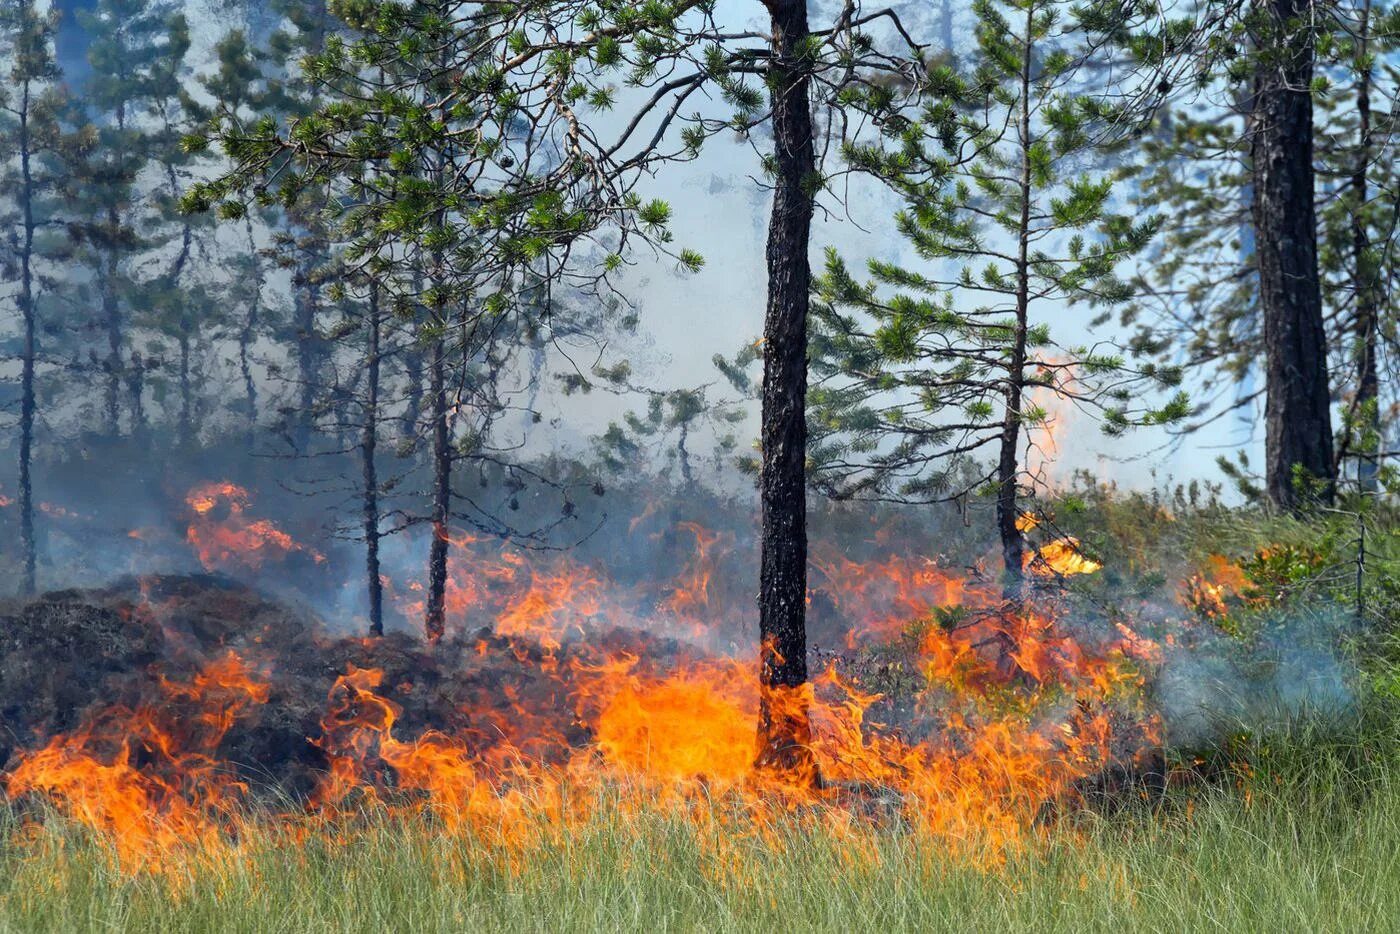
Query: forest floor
[{"x": 1306, "y": 838}]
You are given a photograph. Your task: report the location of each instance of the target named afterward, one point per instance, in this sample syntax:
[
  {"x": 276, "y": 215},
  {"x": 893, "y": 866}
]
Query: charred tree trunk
[
  {"x": 413, "y": 393},
  {"x": 369, "y": 440},
  {"x": 683, "y": 457},
  {"x": 27, "y": 407},
  {"x": 136, "y": 390},
  {"x": 1008, "y": 465},
  {"x": 1298, "y": 423},
  {"x": 1367, "y": 421},
  {"x": 177, "y": 271},
  {"x": 784, "y": 730},
  {"x": 435, "y": 619}
]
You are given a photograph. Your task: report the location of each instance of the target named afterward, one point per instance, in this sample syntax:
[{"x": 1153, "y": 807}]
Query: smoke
[{"x": 1219, "y": 686}]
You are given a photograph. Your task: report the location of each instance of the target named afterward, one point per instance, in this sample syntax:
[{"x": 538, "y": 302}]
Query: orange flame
[
  {"x": 1012, "y": 708},
  {"x": 234, "y": 540}
]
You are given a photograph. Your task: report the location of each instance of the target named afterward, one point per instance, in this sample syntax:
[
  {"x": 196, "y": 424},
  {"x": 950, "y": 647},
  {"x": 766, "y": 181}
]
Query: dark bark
[
  {"x": 308, "y": 355},
  {"x": 683, "y": 456},
  {"x": 435, "y": 617},
  {"x": 1367, "y": 420},
  {"x": 413, "y": 392},
  {"x": 1008, "y": 464},
  {"x": 27, "y": 311},
  {"x": 784, "y": 730},
  {"x": 136, "y": 390},
  {"x": 186, "y": 328},
  {"x": 111, "y": 314},
  {"x": 1298, "y": 423},
  {"x": 246, "y": 334},
  {"x": 369, "y": 440},
  {"x": 186, "y": 391}
]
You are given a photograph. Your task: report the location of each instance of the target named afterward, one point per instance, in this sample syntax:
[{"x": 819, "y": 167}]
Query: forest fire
[
  {"x": 224, "y": 537},
  {"x": 979, "y": 715}
]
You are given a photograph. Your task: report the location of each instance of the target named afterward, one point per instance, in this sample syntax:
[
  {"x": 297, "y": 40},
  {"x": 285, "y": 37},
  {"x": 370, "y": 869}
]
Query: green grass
[{"x": 1307, "y": 839}]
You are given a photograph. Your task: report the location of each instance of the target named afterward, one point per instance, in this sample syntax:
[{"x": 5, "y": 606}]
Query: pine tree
[
  {"x": 30, "y": 100},
  {"x": 926, "y": 374},
  {"x": 1263, "y": 57},
  {"x": 1200, "y": 301},
  {"x": 534, "y": 179},
  {"x": 239, "y": 85},
  {"x": 135, "y": 53},
  {"x": 1357, "y": 238}
]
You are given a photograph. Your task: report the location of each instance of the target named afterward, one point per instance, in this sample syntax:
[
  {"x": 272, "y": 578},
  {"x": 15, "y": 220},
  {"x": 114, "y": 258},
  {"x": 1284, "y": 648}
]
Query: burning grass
[
  {"x": 1302, "y": 841},
  {"x": 578, "y": 753},
  {"x": 203, "y": 718}
]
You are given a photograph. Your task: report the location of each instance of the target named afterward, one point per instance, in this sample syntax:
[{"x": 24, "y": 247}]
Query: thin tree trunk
[
  {"x": 1298, "y": 422},
  {"x": 186, "y": 391},
  {"x": 413, "y": 392},
  {"x": 136, "y": 389},
  {"x": 683, "y": 455},
  {"x": 435, "y": 620},
  {"x": 784, "y": 729},
  {"x": 1008, "y": 466},
  {"x": 1367, "y": 299},
  {"x": 308, "y": 358},
  {"x": 945, "y": 29},
  {"x": 177, "y": 270},
  {"x": 368, "y": 443},
  {"x": 27, "y": 401},
  {"x": 111, "y": 312},
  {"x": 246, "y": 335}
]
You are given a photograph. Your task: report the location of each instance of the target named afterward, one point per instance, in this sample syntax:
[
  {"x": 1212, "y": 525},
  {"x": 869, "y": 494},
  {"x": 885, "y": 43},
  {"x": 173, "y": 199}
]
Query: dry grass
[{"x": 1307, "y": 840}]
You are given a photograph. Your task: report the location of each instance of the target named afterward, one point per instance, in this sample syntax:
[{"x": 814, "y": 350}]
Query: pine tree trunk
[
  {"x": 413, "y": 393},
  {"x": 1008, "y": 464},
  {"x": 435, "y": 620},
  {"x": 1298, "y": 423},
  {"x": 368, "y": 443},
  {"x": 1367, "y": 297},
  {"x": 308, "y": 360},
  {"x": 111, "y": 313},
  {"x": 136, "y": 391},
  {"x": 246, "y": 335},
  {"x": 186, "y": 392},
  {"x": 784, "y": 730},
  {"x": 27, "y": 401},
  {"x": 945, "y": 29}
]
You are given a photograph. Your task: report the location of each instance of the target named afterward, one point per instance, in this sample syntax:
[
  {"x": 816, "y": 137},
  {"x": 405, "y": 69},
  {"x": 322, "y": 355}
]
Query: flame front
[{"x": 999, "y": 710}]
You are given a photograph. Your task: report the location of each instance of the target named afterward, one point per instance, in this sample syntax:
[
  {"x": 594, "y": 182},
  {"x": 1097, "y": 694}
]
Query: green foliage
[
  {"x": 921, "y": 374},
  {"x": 1195, "y": 297}
]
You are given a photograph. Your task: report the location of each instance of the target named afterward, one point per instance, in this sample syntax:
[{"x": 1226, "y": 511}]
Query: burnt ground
[{"x": 68, "y": 656}]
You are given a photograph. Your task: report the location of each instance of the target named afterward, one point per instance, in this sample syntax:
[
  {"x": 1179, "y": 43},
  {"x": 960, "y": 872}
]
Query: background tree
[
  {"x": 1258, "y": 295},
  {"x": 136, "y": 48},
  {"x": 1358, "y": 209},
  {"x": 30, "y": 100},
  {"x": 916, "y": 386}
]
